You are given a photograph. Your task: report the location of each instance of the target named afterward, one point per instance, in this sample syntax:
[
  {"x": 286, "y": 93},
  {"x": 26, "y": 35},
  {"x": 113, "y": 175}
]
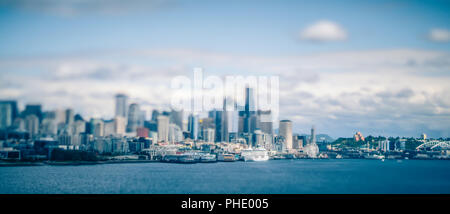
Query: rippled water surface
[{"x": 283, "y": 176}]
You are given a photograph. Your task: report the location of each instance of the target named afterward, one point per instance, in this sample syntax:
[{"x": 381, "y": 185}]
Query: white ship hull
[
  {"x": 256, "y": 158},
  {"x": 255, "y": 155}
]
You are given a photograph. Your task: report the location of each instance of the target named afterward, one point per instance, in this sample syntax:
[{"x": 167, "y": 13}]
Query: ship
[
  {"x": 207, "y": 158},
  {"x": 181, "y": 158},
  {"x": 258, "y": 154},
  {"x": 226, "y": 157},
  {"x": 378, "y": 157}
]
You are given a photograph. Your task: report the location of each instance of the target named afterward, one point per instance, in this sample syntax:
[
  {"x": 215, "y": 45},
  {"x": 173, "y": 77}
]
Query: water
[{"x": 283, "y": 176}]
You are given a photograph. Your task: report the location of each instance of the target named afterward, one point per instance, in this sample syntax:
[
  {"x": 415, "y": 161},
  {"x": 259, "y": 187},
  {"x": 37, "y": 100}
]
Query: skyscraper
[
  {"x": 32, "y": 124},
  {"x": 221, "y": 124},
  {"x": 286, "y": 132},
  {"x": 313, "y": 135},
  {"x": 250, "y": 109},
  {"x": 121, "y": 105},
  {"x": 163, "y": 128},
  {"x": 6, "y": 117},
  {"x": 176, "y": 117},
  {"x": 265, "y": 122},
  {"x": 155, "y": 114},
  {"x": 133, "y": 117},
  {"x": 33, "y": 109},
  {"x": 119, "y": 125},
  {"x": 193, "y": 126},
  {"x": 69, "y": 116}
]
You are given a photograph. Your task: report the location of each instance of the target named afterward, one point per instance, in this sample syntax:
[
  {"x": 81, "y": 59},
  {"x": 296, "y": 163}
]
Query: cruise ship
[{"x": 258, "y": 154}]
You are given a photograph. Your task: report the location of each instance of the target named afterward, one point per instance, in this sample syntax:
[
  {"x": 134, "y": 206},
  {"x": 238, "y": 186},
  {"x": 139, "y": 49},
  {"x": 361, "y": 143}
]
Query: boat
[
  {"x": 207, "y": 158},
  {"x": 258, "y": 154},
  {"x": 226, "y": 157},
  {"x": 181, "y": 158},
  {"x": 378, "y": 157}
]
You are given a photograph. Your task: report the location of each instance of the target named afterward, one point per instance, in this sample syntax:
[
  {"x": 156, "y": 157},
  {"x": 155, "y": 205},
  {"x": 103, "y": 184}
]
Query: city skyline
[
  {"x": 138, "y": 117},
  {"x": 379, "y": 68}
]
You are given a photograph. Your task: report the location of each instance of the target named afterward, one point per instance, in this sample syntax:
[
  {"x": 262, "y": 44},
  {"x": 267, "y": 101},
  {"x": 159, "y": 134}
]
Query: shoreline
[{"x": 80, "y": 163}]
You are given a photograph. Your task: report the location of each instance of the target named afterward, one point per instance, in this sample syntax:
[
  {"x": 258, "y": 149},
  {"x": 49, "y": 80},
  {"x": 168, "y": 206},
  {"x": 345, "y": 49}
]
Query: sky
[{"x": 378, "y": 67}]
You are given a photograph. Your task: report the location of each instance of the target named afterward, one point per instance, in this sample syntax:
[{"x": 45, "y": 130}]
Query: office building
[
  {"x": 121, "y": 105},
  {"x": 285, "y": 130}
]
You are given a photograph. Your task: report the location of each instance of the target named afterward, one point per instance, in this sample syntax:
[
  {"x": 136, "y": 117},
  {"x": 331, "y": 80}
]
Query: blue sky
[
  {"x": 379, "y": 67},
  {"x": 251, "y": 27}
]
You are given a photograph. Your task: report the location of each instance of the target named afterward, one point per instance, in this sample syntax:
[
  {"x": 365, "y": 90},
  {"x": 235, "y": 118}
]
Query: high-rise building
[
  {"x": 134, "y": 114},
  {"x": 119, "y": 125},
  {"x": 193, "y": 126},
  {"x": 176, "y": 117},
  {"x": 175, "y": 133},
  {"x": 32, "y": 124},
  {"x": 6, "y": 116},
  {"x": 155, "y": 114},
  {"x": 79, "y": 126},
  {"x": 285, "y": 130},
  {"x": 33, "y": 109},
  {"x": 163, "y": 128},
  {"x": 250, "y": 110},
  {"x": 121, "y": 105},
  {"x": 221, "y": 124},
  {"x": 109, "y": 128},
  {"x": 96, "y": 127},
  {"x": 206, "y": 123},
  {"x": 48, "y": 126},
  {"x": 313, "y": 135},
  {"x": 69, "y": 116},
  {"x": 208, "y": 135},
  {"x": 13, "y": 106},
  {"x": 265, "y": 122}
]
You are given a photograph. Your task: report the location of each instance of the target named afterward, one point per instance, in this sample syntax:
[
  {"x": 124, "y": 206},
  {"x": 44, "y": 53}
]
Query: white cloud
[
  {"x": 402, "y": 92},
  {"x": 439, "y": 35},
  {"x": 324, "y": 31}
]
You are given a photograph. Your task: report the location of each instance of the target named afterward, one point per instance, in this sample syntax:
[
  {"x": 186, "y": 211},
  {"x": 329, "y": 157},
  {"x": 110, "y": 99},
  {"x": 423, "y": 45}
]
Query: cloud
[
  {"x": 439, "y": 35},
  {"x": 77, "y": 7},
  {"x": 324, "y": 31},
  {"x": 377, "y": 92}
]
